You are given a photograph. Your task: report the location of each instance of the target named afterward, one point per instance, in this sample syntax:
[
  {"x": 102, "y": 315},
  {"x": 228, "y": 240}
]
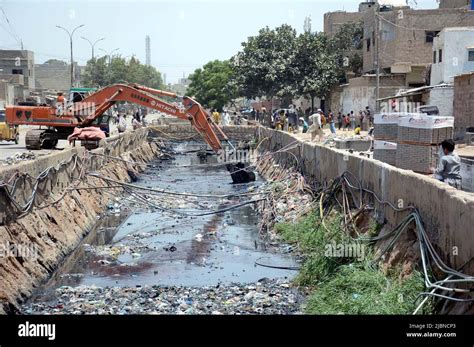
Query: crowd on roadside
[{"x": 296, "y": 121}]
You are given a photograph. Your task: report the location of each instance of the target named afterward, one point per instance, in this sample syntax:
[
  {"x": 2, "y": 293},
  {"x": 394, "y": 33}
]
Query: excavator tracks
[{"x": 40, "y": 139}]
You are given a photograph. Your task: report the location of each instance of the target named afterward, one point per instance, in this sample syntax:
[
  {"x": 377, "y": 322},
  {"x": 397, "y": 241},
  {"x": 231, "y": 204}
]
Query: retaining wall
[
  {"x": 176, "y": 131},
  {"x": 448, "y": 214},
  {"x": 51, "y": 233}
]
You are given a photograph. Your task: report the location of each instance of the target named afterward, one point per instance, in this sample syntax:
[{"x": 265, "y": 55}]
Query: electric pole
[{"x": 377, "y": 56}]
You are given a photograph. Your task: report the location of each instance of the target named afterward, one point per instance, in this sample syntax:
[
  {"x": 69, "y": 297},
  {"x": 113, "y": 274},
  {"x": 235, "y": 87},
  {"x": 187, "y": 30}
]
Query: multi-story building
[
  {"x": 452, "y": 54},
  {"x": 18, "y": 62},
  {"x": 406, "y": 38},
  {"x": 463, "y": 105}
]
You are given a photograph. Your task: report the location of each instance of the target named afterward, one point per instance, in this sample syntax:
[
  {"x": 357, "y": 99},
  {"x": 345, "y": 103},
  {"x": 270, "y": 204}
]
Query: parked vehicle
[{"x": 7, "y": 132}]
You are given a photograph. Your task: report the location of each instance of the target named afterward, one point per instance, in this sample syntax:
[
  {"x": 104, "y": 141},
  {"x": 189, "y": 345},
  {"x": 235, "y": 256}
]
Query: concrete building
[
  {"x": 53, "y": 74},
  {"x": 406, "y": 39},
  {"x": 56, "y": 75},
  {"x": 455, "y": 4},
  {"x": 18, "y": 62},
  {"x": 181, "y": 87},
  {"x": 334, "y": 20},
  {"x": 360, "y": 92},
  {"x": 463, "y": 105},
  {"x": 453, "y": 54}
]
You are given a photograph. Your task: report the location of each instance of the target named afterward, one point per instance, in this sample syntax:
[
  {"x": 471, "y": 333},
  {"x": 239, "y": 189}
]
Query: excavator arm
[{"x": 96, "y": 104}]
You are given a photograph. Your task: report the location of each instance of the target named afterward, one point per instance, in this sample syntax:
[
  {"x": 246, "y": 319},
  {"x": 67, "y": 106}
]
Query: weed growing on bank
[{"x": 340, "y": 272}]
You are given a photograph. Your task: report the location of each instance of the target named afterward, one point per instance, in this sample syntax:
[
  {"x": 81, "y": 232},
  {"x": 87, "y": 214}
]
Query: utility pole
[
  {"x": 70, "y": 42},
  {"x": 92, "y": 44},
  {"x": 377, "y": 57}
]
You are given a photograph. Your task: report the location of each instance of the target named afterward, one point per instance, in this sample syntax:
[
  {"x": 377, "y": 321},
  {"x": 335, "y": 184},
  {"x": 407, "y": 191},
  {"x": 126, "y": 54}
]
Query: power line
[{"x": 12, "y": 32}]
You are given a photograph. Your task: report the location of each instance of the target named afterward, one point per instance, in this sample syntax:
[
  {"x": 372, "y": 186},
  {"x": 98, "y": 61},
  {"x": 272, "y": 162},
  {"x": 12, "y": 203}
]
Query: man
[
  {"x": 449, "y": 168},
  {"x": 226, "y": 118},
  {"x": 216, "y": 116},
  {"x": 331, "y": 122},
  {"x": 369, "y": 116},
  {"x": 60, "y": 104},
  {"x": 353, "y": 120},
  {"x": 316, "y": 127},
  {"x": 304, "y": 125},
  {"x": 122, "y": 123}
]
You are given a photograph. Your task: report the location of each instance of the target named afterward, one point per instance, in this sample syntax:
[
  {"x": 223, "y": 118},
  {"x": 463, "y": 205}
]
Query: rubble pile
[
  {"x": 264, "y": 297},
  {"x": 18, "y": 157},
  {"x": 288, "y": 198}
]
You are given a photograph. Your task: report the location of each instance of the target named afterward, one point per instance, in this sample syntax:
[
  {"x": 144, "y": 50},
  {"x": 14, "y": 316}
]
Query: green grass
[
  {"x": 313, "y": 240},
  {"x": 345, "y": 284},
  {"x": 361, "y": 289}
]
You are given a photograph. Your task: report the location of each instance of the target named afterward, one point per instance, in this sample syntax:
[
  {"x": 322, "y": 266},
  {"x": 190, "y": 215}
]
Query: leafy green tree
[
  {"x": 316, "y": 65},
  {"x": 95, "y": 73},
  {"x": 212, "y": 85},
  {"x": 265, "y": 66},
  {"x": 102, "y": 71},
  {"x": 347, "y": 44}
]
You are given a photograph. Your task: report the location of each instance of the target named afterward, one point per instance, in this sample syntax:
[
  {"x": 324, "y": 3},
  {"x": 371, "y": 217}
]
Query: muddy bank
[{"x": 50, "y": 234}]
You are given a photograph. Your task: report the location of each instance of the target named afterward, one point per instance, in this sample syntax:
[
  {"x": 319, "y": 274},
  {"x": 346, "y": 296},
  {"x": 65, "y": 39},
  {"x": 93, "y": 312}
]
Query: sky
[{"x": 185, "y": 34}]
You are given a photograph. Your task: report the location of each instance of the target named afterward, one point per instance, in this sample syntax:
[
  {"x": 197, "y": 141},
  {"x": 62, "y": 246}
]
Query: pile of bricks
[
  {"x": 385, "y": 151},
  {"x": 418, "y": 140},
  {"x": 424, "y": 135},
  {"x": 386, "y": 126},
  {"x": 419, "y": 158}
]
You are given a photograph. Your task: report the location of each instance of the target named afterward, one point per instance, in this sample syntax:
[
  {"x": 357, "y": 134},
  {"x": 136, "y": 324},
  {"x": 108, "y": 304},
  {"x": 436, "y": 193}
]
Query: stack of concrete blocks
[
  {"x": 385, "y": 151},
  {"x": 386, "y": 126},
  {"x": 385, "y": 136},
  {"x": 419, "y": 137}
]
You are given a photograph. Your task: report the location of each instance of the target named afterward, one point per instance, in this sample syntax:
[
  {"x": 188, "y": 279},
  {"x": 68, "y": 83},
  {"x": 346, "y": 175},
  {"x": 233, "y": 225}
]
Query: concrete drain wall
[
  {"x": 446, "y": 212},
  {"x": 44, "y": 236}
]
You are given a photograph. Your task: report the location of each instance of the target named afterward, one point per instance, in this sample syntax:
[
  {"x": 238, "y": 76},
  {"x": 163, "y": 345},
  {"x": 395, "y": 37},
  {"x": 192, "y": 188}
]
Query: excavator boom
[{"x": 190, "y": 110}]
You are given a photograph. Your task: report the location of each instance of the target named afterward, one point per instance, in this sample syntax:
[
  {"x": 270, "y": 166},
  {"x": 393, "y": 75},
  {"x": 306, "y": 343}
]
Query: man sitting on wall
[{"x": 449, "y": 168}]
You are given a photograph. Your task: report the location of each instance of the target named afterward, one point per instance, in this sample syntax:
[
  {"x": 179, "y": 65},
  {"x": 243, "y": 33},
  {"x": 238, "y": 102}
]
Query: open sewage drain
[{"x": 169, "y": 253}]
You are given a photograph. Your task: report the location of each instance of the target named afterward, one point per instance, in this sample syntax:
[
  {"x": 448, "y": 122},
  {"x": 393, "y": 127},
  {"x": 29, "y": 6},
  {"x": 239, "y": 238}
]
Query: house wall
[
  {"x": 399, "y": 43},
  {"x": 463, "y": 104},
  {"x": 454, "y": 44}
]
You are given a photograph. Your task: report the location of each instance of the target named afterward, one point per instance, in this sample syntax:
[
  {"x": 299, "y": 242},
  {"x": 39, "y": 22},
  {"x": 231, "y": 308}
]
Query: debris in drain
[
  {"x": 170, "y": 249},
  {"x": 240, "y": 174},
  {"x": 18, "y": 157},
  {"x": 263, "y": 297}
]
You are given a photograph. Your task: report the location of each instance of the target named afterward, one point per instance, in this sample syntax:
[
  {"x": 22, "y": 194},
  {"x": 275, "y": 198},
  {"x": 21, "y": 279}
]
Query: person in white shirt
[
  {"x": 226, "y": 118},
  {"x": 316, "y": 127}
]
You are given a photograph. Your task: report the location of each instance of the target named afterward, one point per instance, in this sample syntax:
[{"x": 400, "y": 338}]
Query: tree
[
  {"x": 316, "y": 65},
  {"x": 347, "y": 43},
  {"x": 265, "y": 66},
  {"x": 102, "y": 71},
  {"x": 212, "y": 85},
  {"x": 95, "y": 73}
]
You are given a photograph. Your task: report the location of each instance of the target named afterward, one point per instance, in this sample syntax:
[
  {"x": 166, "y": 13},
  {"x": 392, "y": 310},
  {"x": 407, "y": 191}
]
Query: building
[
  {"x": 361, "y": 92},
  {"x": 18, "y": 62},
  {"x": 56, "y": 75},
  {"x": 455, "y": 4},
  {"x": 334, "y": 20},
  {"x": 181, "y": 87},
  {"x": 453, "y": 54},
  {"x": 463, "y": 105},
  {"x": 407, "y": 37}
]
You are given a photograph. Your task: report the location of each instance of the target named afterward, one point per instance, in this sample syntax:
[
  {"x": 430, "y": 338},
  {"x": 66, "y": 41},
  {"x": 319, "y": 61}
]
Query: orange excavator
[{"x": 58, "y": 122}]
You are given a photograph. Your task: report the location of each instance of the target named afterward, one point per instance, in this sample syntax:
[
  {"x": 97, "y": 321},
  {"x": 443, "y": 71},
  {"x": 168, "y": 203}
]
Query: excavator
[{"x": 58, "y": 123}]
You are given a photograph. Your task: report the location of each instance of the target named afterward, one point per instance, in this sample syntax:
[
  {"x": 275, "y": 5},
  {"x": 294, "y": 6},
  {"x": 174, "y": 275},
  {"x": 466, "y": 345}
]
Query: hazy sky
[{"x": 185, "y": 34}]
